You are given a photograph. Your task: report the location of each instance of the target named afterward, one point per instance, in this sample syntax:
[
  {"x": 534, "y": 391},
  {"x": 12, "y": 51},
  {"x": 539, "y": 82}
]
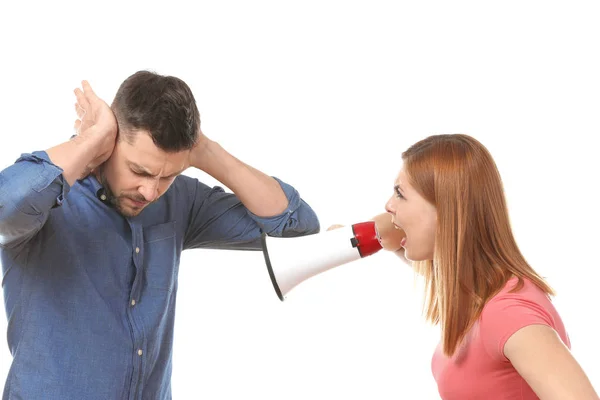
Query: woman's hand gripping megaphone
[{"x": 389, "y": 236}]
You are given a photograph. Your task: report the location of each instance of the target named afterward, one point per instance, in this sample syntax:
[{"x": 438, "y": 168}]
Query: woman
[{"x": 501, "y": 337}]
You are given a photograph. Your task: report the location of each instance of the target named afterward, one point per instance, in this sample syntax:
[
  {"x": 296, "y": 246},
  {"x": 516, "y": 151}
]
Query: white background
[{"x": 326, "y": 95}]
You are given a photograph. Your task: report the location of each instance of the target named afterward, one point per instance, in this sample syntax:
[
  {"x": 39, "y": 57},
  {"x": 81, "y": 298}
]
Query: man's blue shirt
[{"x": 90, "y": 295}]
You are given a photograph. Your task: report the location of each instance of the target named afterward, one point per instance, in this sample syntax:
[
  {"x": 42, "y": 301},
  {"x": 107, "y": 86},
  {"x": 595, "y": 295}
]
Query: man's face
[{"x": 138, "y": 173}]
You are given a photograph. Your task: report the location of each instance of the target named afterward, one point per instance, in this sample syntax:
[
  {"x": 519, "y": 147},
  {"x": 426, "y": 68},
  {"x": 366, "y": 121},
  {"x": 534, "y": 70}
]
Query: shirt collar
[{"x": 91, "y": 183}]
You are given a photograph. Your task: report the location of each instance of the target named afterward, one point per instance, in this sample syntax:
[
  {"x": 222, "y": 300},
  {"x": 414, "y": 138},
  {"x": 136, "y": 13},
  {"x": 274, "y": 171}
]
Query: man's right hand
[
  {"x": 96, "y": 129},
  {"x": 96, "y": 124}
]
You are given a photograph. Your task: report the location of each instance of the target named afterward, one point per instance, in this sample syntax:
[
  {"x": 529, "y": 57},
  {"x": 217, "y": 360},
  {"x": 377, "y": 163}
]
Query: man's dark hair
[{"x": 162, "y": 105}]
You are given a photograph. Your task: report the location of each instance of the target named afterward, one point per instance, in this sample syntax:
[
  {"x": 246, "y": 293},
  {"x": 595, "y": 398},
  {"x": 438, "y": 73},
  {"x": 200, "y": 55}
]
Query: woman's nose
[{"x": 389, "y": 207}]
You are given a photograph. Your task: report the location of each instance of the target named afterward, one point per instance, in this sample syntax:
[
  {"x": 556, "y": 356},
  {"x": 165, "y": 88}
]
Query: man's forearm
[
  {"x": 73, "y": 158},
  {"x": 260, "y": 193}
]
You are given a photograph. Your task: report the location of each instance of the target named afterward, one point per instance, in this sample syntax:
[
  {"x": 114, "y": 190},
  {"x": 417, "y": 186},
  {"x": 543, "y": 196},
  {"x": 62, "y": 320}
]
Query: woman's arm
[{"x": 541, "y": 358}]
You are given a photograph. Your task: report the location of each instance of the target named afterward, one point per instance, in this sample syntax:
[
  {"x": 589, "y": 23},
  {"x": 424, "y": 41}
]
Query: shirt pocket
[{"x": 160, "y": 256}]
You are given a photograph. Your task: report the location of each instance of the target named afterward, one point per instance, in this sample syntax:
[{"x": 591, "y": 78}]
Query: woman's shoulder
[
  {"x": 516, "y": 306},
  {"x": 520, "y": 302},
  {"x": 523, "y": 289}
]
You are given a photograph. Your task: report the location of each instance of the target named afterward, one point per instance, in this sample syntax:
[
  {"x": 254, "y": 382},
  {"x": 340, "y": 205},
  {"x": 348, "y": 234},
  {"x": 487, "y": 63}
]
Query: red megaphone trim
[{"x": 366, "y": 236}]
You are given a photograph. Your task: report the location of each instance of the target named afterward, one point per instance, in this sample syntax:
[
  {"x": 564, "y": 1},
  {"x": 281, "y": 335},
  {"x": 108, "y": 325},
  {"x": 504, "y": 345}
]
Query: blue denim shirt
[{"x": 90, "y": 295}]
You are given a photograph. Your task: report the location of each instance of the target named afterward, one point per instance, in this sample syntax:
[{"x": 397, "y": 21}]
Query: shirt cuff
[
  {"x": 276, "y": 224},
  {"x": 48, "y": 174}
]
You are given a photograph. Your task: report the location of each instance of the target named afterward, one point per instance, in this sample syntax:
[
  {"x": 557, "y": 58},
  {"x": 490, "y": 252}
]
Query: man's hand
[
  {"x": 96, "y": 129},
  {"x": 96, "y": 124},
  {"x": 261, "y": 194}
]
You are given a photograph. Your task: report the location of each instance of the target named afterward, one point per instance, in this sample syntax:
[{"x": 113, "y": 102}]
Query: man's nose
[{"x": 149, "y": 191}]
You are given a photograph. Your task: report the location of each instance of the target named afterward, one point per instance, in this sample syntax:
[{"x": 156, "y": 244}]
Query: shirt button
[
  {"x": 140, "y": 352},
  {"x": 103, "y": 197},
  {"x": 137, "y": 250},
  {"x": 133, "y": 302}
]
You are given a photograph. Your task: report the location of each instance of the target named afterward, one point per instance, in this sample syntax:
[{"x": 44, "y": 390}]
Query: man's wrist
[
  {"x": 88, "y": 142},
  {"x": 201, "y": 153}
]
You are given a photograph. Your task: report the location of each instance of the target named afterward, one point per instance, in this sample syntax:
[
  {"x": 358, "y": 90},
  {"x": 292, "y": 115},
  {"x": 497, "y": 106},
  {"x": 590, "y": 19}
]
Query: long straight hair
[{"x": 475, "y": 250}]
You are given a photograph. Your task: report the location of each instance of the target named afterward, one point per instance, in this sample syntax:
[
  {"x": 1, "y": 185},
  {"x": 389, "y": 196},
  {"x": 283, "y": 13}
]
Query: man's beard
[{"x": 114, "y": 200}]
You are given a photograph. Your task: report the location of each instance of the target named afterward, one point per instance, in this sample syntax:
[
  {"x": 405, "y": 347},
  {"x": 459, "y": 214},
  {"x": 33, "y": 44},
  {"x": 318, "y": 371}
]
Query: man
[{"x": 91, "y": 233}]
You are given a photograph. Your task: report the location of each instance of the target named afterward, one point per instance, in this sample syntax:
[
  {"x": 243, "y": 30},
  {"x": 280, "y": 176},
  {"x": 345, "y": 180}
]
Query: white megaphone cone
[{"x": 292, "y": 260}]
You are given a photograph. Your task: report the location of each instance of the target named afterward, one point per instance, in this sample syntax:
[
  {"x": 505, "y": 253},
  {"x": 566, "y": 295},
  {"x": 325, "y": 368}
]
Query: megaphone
[{"x": 292, "y": 260}]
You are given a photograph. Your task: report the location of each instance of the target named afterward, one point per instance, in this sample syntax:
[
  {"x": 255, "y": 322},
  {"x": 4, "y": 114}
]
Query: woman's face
[{"x": 416, "y": 216}]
